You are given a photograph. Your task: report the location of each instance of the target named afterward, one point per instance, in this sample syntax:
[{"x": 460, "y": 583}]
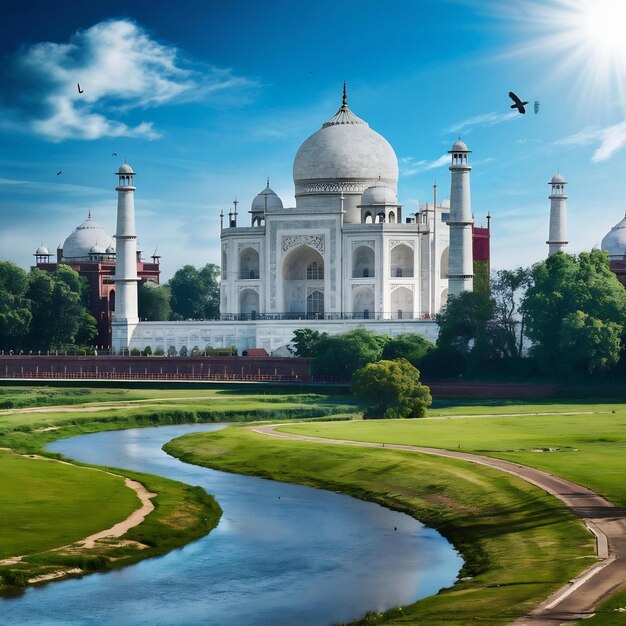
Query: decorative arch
[
  {"x": 249, "y": 303},
  {"x": 248, "y": 263},
  {"x": 183, "y": 351},
  {"x": 315, "y": 303},
  {"x": 392, "y": 217},
  {"x": 444, "y": 298},
  {"x": 402, "y": 303},
  {"x": 402, "y": 261},
  {"x": 443, "y": 268},
  {"x": 171, "y": 351},
  {"x": 367, "y": 218},
  {"x": 363, "y": 302},
  {"x": 224, "y": 264},
  {"x": 363, "y": 262},
  {"x": 302, "y": 273}
]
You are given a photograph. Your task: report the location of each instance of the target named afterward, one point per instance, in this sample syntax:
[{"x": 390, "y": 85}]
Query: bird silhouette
[
  {"x": 518, "y": 104},
  {"x": 79, "y": 89},
  {"x": 114, "y": 154},
  {"x": 536, "y": 107},
  {"x": 59, "y": 173}
]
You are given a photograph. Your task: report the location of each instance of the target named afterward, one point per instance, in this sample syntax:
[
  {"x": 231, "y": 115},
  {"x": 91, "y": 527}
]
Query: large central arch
[{"x": 303, "y": 275}]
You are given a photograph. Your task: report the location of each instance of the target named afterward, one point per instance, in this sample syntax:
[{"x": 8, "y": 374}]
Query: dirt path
[{"x": 578, "y": 598}]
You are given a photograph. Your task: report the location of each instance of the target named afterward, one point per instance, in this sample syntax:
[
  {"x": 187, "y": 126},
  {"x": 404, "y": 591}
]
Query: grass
[
  {"x": 589, "y": 449},
  {"x": 519, "y": 544},
  {"x": 65, "y": 503},
  {"x": 47, "y": 518}
]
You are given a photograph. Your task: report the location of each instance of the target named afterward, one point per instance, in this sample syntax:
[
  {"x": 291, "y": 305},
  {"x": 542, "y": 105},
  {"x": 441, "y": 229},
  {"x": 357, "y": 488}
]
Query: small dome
[
  {"x": 110, "y": 249},
  {"x": 273, "y": 201},
  {"x": 125, "y": 169},
  {"x": 615, "y": 240},
  {"x": 557, "y": 179},
  {"x": 42, "y": 251},
  {"x": 79, "y": 244},
  {"x": 379, "y": 194},
  {"x": 459, "y": 146},
  {"x": 97, "y": 249}
]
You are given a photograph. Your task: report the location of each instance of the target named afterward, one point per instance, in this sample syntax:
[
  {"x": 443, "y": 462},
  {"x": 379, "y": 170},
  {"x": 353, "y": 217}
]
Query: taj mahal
[{"x": 347, "y": 255}]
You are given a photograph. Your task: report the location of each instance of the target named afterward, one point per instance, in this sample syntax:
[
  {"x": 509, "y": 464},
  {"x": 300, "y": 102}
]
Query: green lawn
[
  {"x": 519, "y": 544},
  {"x": 47, "y": 504},
  {"x": 587, "y": 449}
]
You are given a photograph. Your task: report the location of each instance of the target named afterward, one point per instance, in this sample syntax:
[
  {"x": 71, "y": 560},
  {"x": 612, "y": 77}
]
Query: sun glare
[{"x": 578, "y": 42}]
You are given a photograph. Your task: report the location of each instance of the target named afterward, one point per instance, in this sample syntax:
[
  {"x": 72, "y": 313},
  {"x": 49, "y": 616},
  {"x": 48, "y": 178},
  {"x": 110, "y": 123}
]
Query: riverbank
[{"x": 518, "y": 543}]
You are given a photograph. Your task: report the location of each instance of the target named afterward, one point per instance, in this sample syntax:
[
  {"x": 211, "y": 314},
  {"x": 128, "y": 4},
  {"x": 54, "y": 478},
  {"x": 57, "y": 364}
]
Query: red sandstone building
[{"x": 91, "y": 252}]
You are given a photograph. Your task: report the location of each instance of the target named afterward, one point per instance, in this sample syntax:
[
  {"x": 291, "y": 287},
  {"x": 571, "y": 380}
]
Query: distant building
[
  {"x": 90, "y": 250},
  {"x": 614, "y": 243}
]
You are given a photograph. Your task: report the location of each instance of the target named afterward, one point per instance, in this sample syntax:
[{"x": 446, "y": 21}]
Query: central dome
[
  {"x": 80, "y": 243},
  {"x": 344, "y": 155}
]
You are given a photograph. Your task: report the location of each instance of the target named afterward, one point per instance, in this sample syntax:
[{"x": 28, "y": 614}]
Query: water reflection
[{"x": 282, "y": 554}]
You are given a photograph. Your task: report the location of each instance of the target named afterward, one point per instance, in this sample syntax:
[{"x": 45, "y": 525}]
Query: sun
[{"x": 580, "y": 43}]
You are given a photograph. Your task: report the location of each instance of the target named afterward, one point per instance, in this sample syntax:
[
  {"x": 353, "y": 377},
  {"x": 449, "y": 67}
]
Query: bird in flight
[
  {"x": 79, "y": 89},
  {"x": 114, "y": 154},
  {"x": 59, "y": 173},
  {"x": 536, "y": 107},
  {"x": 517, "y": 103}
]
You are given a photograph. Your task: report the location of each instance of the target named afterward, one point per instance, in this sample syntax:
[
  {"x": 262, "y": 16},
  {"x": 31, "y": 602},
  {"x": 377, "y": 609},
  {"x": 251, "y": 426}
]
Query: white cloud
[
  {"x": 120, "y": 68},
  {"x": 485, "y": 119},
  {"x": 610, "y": 138},
  {"x": 409, "y": 166}
]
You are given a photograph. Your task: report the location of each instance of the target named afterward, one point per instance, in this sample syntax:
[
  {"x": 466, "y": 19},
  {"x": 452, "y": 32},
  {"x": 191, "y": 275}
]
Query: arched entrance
[
  {"x": 249, "y": 303},
  {"x": 303, "y": 282},
  {"x": 402, "y": 304},
  {"x": 363, "y": 302}
]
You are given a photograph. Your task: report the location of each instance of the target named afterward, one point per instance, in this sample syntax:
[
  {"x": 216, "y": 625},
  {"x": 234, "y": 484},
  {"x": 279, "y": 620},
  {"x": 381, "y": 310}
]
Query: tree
[
  {"x": 306, "y": 341},
  {"x": 508, "y": 289},
  {"x": 195, "y": 293},
  {"x": 153, "y": 301},
  {"x": 575, "y": 308},
  {"x": 411, "y": 346},
  {"x": 59, "y": 319},
  {"x": 15, "y": 315},
  {"x": 341, "y": 355},
  {"x": 391, "y": 389}
]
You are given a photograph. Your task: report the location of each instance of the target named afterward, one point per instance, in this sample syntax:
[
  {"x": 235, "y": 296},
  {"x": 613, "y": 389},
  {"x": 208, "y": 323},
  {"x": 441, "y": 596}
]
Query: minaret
[
  {"x": 460, "y": 261},
  {"x": 557, "y": 239},
  {"x": 125, "y": 316}
]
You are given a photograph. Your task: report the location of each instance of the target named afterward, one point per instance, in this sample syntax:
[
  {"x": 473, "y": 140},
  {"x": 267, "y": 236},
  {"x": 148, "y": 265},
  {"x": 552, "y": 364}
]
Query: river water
[{"x": 281, "y": 554}]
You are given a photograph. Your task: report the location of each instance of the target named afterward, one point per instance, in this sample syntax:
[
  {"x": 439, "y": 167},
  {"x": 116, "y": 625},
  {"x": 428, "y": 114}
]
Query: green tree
[
  {"x": 341, "y": 355},
  {"x": 411, "y": 346},
  {"x": 59, "y": 318},
  {"x": 306, "y": 341},
  {"x": 153, "y": 301},
  {"x": 15, "y": 315},
  {"x": 391, "y": 389},
  {"x": 195, "y": 293},
  {"x": 563, "y": 287}
]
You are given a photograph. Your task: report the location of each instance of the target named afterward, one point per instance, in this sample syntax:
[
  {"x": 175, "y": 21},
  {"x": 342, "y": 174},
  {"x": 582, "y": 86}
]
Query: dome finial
[
  {"x": 89, "y": 215},
  {"x": 344, "y": 102},
  {"x": 268, "y": 182}
]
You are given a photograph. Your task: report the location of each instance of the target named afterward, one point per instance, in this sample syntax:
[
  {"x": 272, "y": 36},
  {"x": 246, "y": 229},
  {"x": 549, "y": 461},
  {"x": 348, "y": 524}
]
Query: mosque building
[
  {"x": 91, "y": 251},
  {"x": 614, "y": 243},
  {"x": 346, "y": 255}
]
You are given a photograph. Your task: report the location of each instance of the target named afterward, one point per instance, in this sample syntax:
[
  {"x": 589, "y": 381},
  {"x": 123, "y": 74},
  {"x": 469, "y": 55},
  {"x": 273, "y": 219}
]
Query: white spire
[
  {"x": 557, "y": 238},
  {"x": 460, "y": 260}
]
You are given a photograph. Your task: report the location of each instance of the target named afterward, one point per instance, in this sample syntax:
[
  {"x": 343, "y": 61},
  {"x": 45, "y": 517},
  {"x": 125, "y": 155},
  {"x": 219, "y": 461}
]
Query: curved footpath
[{"x": 578, "y": 598}]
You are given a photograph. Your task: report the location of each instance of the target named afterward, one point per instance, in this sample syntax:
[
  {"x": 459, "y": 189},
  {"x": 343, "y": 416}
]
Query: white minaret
[
  {"x": 557, "y": 239},
  {"x": 460, "y": 260},
  {"x": 125, "y": 315}
]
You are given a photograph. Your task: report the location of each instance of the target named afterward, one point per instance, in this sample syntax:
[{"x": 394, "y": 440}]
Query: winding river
[{"x": 281, "y": 554}]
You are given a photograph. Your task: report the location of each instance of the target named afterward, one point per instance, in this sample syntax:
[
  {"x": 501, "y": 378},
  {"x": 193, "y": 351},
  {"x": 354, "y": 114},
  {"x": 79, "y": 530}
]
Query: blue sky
[{"x": 207, "y": 99}]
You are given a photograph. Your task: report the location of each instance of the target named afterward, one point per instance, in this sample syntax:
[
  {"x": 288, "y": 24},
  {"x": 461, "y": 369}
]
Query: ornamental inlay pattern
[
  {"x": 397, "y": 242},
  {"x": 315, "y": 241},
  {"x": 337, "y": 186},
  {"x": 358, "y": 286},
  {"x": 369, "y": 243},
  {"x": 254, "y": 288},
  {"x": 243, "y": 246},
  {"x": 406, "y": 286}
]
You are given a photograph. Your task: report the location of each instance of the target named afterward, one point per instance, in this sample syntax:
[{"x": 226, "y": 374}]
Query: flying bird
[
  {"x": 536, "y": 107},
  {"x": 59, "y": 173},
  {"x": 79, "y": 89},
  {"x": 114, "y": 154},
  {"x": 518, "y": 104}
]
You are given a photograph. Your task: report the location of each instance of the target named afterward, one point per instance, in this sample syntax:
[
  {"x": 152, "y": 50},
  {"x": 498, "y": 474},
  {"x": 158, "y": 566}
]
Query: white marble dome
[
  {"x": 125, "y": 169},
  {"x": 89, "y": 234},
  {"x": 345, "y": 149},
  {"x": 379, "y": 194},
  {"x": 42, "y": 251},
  {"x": 273, "y": 201},
  {"x": 459, "y": 146},
  {"x": 615, "y": 240}
]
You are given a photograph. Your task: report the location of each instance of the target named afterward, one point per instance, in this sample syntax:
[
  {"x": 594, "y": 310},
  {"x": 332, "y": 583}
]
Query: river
[{"x": 281, "y": 554}]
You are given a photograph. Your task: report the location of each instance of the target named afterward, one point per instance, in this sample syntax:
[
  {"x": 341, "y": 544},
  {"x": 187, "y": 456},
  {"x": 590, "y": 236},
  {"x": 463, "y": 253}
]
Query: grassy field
[
  {"x": 587, "y": 448},
  {"x": 519, "y": 544},
  {"x": 65, "y": 503}
]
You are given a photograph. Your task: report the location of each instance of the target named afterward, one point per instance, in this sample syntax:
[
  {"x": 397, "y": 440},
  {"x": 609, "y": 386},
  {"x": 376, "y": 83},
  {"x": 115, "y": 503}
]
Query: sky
[{"x": 207, "y": 99}]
